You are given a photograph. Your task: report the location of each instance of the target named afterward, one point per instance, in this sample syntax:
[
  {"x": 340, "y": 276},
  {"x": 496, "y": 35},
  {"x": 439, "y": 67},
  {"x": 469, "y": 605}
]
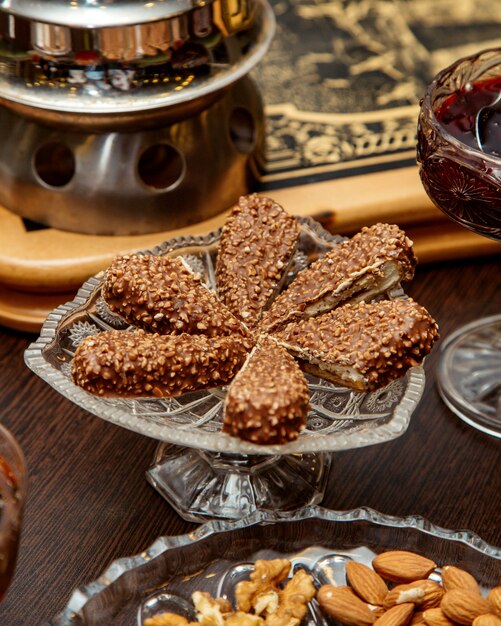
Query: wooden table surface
[{"x": 89, "y": 503}]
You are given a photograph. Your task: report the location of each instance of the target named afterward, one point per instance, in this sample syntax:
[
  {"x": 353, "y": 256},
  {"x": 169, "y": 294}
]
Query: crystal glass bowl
[
  {"x": 219, "y": 554},
  {"x": 339, "y": 419},
  {"x": 461, "y": 181},
  {"x": 464, "y": 182}
]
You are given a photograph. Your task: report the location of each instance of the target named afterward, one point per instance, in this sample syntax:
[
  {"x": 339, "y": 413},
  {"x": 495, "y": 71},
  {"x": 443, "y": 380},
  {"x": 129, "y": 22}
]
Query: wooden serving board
[
  {"x": 341, "y": 114},
  {"x": 40, "y": 269},
  {"x": 50, "y": 260}
]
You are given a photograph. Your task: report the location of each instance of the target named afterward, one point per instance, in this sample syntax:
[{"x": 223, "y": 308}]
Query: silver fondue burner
[{"x": 126, "y": 117}]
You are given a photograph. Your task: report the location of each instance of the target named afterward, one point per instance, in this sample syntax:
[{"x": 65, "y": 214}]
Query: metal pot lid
[
  {"x": 98, "y": 13},
  {"x": 97, "y": 85}
]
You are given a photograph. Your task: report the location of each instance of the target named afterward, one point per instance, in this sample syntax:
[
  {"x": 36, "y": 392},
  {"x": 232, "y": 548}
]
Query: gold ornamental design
[{"x": 343, "y": 79}]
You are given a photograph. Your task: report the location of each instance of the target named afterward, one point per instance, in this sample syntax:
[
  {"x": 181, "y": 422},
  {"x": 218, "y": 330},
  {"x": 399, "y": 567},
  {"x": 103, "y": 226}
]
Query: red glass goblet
[{"x": 459, "y": 156}]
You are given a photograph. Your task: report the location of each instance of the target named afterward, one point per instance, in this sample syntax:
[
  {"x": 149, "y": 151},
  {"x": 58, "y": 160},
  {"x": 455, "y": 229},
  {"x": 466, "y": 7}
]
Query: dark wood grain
[{"x": 89, "y": 503}]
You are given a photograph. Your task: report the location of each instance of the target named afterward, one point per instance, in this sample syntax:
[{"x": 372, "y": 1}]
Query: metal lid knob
[{"x": 98, "y": 13}]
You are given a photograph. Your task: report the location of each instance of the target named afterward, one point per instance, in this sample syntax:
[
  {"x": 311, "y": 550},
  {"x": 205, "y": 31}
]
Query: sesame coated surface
[
  {"x": 141, "y": 364},
  {"x": 257, "y": 243},
  {"x": 379, "y": 341},
  {"x": 160, "y": 294},
  {"x": 268, "y": 401},
  {"x": 334, "y": 277}
]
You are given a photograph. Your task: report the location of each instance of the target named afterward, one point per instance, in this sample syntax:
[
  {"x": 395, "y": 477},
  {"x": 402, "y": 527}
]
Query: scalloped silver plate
[
  {"x": 217, "y": 554},
  {"x": 339, "y": 419}
]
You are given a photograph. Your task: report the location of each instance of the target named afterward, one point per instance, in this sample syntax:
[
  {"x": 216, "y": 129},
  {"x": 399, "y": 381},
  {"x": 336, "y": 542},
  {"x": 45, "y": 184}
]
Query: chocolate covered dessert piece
[
  {"x": 268, "y": 401},
  {"x": 374, "y": 260},
  {"x": 141, "y": 364},
  {"x": 161, "y": 294},
  {"x": 256, "y": 246},
  {"x": 362, "y": 346}
]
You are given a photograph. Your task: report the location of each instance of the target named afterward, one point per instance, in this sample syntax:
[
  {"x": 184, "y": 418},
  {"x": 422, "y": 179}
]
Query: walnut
[
  {"x": 243, "y": 619},
  {"x": 210, "y": 611},
  {"x": 265, "y": 578},
  {"x": 261, "y": 593},
  {"x": 167, "y": 619},
  {"x": 266, "y": 603},
  {"x": 260, "y": 600},
  {"x": 293, "y": 600}
]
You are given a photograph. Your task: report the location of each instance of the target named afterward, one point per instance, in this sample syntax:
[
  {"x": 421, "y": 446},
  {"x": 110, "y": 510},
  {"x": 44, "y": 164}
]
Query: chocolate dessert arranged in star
[{"x": 333, "y": 320}]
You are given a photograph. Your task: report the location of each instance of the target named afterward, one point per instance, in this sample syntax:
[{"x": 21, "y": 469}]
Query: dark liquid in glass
[
  {"x": 460, "y": 178},
  {"x": 10, "y": 514},
  {"x": 458, "y": 115}
]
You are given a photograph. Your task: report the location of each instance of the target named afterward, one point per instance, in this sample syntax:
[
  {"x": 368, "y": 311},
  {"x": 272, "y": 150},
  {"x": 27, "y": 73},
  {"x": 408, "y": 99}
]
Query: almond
[
  {"x": 425, "y": 593},
  {"x": 494, "y": 598},
  {"x": 401, "y": 566},
  {"x": 489, "y": 619},
  {"x": 456, "y": 578},
  {"x": 402, "y": 594},
  {"x": 376, "y": 609},
  {"x": 417, "y": 618},
  {"x": 343, "y": 605},
  {"x": 397, "y": 616},
  {"x": 463, "y": 606},
  {"x": 436, "y": 617},
  {"x": 366, "y": 583}
]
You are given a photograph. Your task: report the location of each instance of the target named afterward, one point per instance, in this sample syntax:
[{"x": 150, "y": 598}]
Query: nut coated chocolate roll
[
  {"x": 140, "y": 364},
  {"x": 373, "y": 261},
  {"x": 160, "y": 294},
  {"x": 256, "y": 246},
  {"x": 268, "y": 401},
  {"x": 363, "y": 346}
]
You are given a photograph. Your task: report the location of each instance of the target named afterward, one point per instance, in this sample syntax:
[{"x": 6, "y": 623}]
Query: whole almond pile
[{"x": 398, "y": 592}]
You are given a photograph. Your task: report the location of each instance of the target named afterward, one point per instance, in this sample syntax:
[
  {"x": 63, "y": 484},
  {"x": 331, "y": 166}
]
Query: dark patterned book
[{"x": 343, "y": 79}]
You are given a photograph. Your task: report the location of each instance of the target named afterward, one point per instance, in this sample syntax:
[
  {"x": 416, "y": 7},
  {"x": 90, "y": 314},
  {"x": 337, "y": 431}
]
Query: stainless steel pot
[{"x": 126, "y": 117}]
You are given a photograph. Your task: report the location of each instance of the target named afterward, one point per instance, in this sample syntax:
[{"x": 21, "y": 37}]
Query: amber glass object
[{"x": 12, "y": 492}]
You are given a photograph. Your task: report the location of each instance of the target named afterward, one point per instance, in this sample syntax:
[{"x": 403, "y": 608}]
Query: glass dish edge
[{"x": 120, "y": 566}]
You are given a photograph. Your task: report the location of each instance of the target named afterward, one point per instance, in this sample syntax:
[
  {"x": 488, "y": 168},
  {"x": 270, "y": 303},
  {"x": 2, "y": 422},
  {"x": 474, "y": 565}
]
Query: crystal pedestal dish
[
  {"x": 217, "y": 555},
  {"x": 202, "y": 472}
]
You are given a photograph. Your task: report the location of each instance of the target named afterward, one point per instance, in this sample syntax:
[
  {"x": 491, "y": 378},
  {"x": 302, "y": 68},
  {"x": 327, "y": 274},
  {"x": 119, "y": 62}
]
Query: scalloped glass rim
[
  {"x": 373, "y": 433},
  {"x": 427, "y": 107},
  {"x": 119, "y": 567}
]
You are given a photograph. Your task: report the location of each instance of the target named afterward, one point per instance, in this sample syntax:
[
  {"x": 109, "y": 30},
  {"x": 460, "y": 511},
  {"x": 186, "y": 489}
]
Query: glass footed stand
[
  {"x": 202, "y": 472},
  {"x": 469, "y": 374},
  {"x": 201, "y": 484}
]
